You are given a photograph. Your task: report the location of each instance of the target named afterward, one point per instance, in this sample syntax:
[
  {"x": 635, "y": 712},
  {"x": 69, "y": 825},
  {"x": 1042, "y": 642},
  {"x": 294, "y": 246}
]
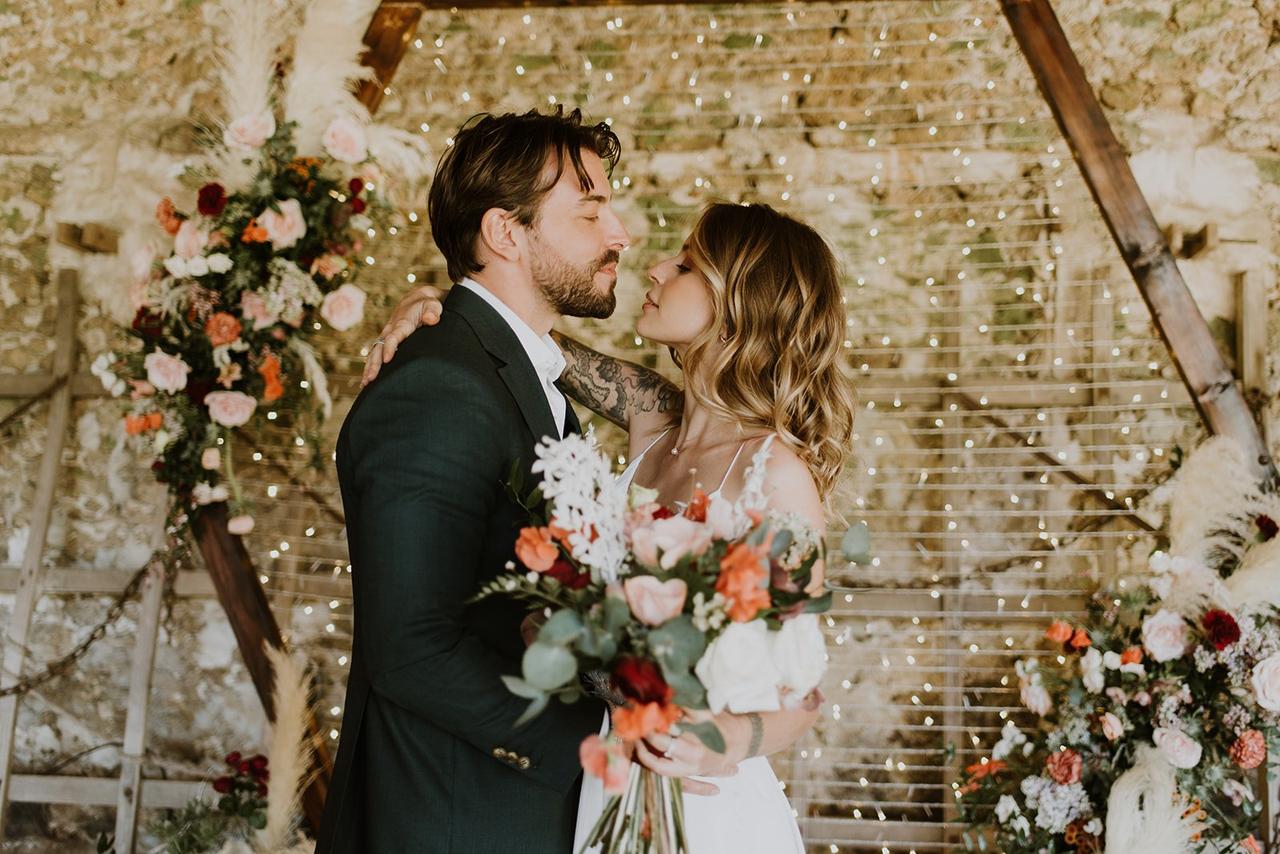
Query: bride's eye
[{"x": 682, "y": 268}]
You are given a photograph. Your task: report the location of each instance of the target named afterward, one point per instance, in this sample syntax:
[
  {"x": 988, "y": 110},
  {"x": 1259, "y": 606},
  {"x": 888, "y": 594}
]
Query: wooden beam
[
  {"x": 102, "y": 791},
  {"x": 1251, "y": 332},
  {"x": 133, "y": 751},
  {"x": 254, "y": 625},
  {"x": 89, "y": 237},
  {"x": 388, "y": 36},
  {"x": 1107, "y": 173},
  {"x": 83, "y": 384},
  {"x": 31, "y": 578}
]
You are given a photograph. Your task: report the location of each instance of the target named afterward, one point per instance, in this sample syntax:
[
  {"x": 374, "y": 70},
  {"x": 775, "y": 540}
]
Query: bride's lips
[{"x": 648, "y": 304}]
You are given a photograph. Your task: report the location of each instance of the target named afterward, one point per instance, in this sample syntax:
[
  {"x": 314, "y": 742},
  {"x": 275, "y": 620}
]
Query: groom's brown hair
[{"x": 500, "y": 162}]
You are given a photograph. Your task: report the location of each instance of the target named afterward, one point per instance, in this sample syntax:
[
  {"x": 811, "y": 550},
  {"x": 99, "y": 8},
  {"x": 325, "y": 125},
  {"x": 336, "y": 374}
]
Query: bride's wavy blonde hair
[{"x": 779, "y": 320}]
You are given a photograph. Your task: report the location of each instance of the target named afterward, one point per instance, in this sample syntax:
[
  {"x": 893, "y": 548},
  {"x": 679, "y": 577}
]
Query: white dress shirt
[{"x": 548, "y": 362}]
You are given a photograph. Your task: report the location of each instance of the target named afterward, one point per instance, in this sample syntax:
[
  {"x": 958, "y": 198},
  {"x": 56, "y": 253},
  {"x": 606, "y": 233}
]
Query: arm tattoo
[
  {"x": 613, "y": 388},
  {"x": 757, "y": 734}
]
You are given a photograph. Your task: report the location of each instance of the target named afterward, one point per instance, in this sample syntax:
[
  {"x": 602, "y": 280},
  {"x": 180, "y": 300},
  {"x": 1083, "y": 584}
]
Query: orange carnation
[
  {"x": 697, "y": 509},
  {"x": 1132, "y": 655},
  {"x": 1059, "y": 631},
  {"x": 167, "y": 216},
  {"x": 222, "y": 328},
  {"x": 1249, "y": 750},
  {"x": 138, "y": 424},
  {"x": 742, "y": 581},
  {"x": 270, "y": 370},
  {"x": 978, "y": 770},
  {"x": 535, "y": 549},
  {"x": 641, "y": 720},
  {"x": 1080, "y": 639},
  {"x": 254, "y": 233}
]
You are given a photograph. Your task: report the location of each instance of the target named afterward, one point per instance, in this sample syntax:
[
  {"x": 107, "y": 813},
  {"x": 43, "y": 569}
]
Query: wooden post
[
  {"x": 135, "y": 723},
  {"x": 388, "y": 35},
  {"x": 29, "y": 582},
  {"x": 242, "y": 597},
  {"x": 1251, "y": 332},
  {"x": 1106, "y": 171}
]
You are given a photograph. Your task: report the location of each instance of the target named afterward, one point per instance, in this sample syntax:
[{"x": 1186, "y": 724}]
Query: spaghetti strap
[{"x": 651, "y": 444}]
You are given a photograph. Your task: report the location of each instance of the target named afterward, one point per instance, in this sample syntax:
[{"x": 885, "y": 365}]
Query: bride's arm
[{"x": 621, "y": 391}]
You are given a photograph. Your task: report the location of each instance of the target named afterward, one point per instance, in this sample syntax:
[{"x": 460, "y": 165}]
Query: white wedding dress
[{"x": 750, "y": 815}]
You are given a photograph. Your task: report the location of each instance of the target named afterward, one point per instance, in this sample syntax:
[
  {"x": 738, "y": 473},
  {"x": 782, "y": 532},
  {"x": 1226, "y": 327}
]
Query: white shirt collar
[{"x": 546, "y": 357}]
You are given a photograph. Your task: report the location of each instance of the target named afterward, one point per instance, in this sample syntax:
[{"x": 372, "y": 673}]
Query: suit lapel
[
  {"x": 571, "y": 422},
  {"x": 515, "y": 368}
]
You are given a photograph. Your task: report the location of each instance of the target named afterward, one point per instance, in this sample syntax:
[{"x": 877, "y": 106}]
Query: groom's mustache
[{"x": 610, "y": 257}]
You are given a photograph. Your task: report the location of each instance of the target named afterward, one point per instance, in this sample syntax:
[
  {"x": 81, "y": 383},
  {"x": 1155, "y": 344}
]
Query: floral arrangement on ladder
[
  {"x": 1154, "y": 716},
  {"x": 261, "y": 251}
]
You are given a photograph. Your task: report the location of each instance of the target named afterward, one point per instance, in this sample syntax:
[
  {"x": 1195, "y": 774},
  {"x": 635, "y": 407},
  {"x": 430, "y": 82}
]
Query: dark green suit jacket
[{"x": 430, "y": 760}]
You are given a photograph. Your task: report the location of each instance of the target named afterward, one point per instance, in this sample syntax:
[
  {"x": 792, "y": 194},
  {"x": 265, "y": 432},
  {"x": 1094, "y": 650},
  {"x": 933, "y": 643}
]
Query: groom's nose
[{"x": 618, "y": 238}]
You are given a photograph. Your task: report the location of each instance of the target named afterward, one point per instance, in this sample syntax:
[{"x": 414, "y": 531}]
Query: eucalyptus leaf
[
  {"x": 597, "y": 643},
  {"x": 782, "y": 540},
  {"x": 677, "y": 644},
  {"x": 689, "y": 692},
  {"x": 616, "y": 614},
  {"x": 547, "y": 667},
  {"x": 562, "y": 629},
  {"x": 708, "y": 733},
  {"x": 521, "y": 688},
  {"x": 535, "y": 709},
  {"x": 856, "y": 544},
  {"x": 818, "y": 605}
]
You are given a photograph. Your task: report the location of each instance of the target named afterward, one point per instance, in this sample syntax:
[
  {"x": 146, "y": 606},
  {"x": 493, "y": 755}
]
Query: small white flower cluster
[
  {"x": 804, "y": 541},
  {"x": 289, "y": 291},
  {"x": 585, "y": 497},
  {"x": 200, "y": 265},
  {"x": 1007, "y": 813},
  {"x": 1056, "y": 805},
  {"x": 1033, "y": 693},
  {"x": 101, "y": 368},
  {"x": 709, "y": 615},
  {"x": 1205, "y": 658},
  {"x": 1010, "y": 738}
]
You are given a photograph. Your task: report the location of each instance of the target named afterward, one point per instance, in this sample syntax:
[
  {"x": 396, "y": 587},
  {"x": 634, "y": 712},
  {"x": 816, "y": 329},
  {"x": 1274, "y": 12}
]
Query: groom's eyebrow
[{"x": 598, "y": 199}]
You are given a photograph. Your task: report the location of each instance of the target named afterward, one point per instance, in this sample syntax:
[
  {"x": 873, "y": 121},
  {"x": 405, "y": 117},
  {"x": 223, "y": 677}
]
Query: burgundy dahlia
[
  {"x": 211, "y": 199},
  {"x": 640, "y": 680},
  {"x": 1221, "y": 629}
]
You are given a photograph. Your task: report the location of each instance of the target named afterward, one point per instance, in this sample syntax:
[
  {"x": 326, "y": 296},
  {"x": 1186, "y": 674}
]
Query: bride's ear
[{"x": 498, "y": 234}]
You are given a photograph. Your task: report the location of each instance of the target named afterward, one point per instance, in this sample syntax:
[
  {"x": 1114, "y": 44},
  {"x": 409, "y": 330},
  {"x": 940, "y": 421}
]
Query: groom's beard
[{"x": 570, "y": 289}]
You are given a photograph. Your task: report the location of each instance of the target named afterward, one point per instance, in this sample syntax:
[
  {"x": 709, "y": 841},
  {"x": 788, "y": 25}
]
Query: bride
[{"x": 752, "y": 312}]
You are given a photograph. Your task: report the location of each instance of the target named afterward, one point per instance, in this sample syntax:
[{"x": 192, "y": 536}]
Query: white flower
[
  {"x": 738, "y": 670},
  {"x": 1093, "y": 826},
  {"x": 346, "y": 140},
  {"x": 176, "y": 267},
  {"x": 1005, "y": 808},
  {"x": 1036, "y": 698},
  {"x": 204, "y": 493},
  {"x": 286, "y": 226},
  {"x": 198, "y": 266},
  {"x": 1091, "y": 670},
  {"x": 1180, "y": 749},
  {"x": 1020, "y": 825},
  {"x": 1159, "y": 562},
  {"x": 1061, "y": 805},
  {"x": 585, "y": 497},
  {"x": 343, "y": 308},
  {"x": 800, "y": 654},
  {"x": 250, "y": 132},
  {"x": 640, "y": 496},
  {"x": 1010, "y": 737},
  {"x": 219, "y": 262},
  {"x": 1238, "y": 792},
  {"x": 1164, "y": 634},
  {"x": 101, "y": 368},
  {"x": 165, "y": 372},
  {"x": 1266, "y": 682}
]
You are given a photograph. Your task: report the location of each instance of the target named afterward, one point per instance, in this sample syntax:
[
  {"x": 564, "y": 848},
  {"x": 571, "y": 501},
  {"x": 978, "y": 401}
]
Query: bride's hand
[
  {"x": 687, "y": 756},
  {"x": 420, "y": 306}
]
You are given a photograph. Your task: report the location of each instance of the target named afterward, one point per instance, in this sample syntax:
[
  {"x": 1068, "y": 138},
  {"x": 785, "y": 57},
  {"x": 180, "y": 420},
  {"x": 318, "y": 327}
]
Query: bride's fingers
[
  {"x": 659, "y": 764},
  {"x": 690, "y": 786}
]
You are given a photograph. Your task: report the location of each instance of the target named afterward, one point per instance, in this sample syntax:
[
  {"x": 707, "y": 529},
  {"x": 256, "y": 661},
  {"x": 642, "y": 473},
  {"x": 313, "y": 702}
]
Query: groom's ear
[{"x": 499, "y": 234}]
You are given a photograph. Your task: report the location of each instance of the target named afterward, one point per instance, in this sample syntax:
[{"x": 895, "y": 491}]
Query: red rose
[
  {"x": 1221, "y": 629},
  {"x": 564, "y": 572},
  {"x": 1267, "y": 527},
  {"x": 664, "y": 513},
  {"x": 148, "y": 324},
  {"x": 258, "y": 764},
  {"x": 1064, "y": 766},
  {"x": 233, "y": 758},
  {"x": 244, "y": 768},
  {"x": 262, "y": 790},
  {"x": 222, "y": 785},
  {"x": 211, "y": 199},
  {"x": 358, "y": 205},
  {"x": 640, "y": 680},
  {"x": 355, "y": 185}
]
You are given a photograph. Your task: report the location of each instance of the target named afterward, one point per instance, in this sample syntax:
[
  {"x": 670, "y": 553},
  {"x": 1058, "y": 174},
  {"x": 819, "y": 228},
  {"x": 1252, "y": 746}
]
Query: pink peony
[
  {"x": 250, "y": 132},
  {"x": 165, "y": 372},
  {"x": 240, "y": 525},
  {"x": 672, "y": 539},
  {"x": 211, "y": 459},
  {"x": 1180, "y": 749},
  {"x": 343, "y": 308},
  {"x": 284, "y": 227},
  {"x": 1266, "y": 682},
  {"x": 654, "y": 602},
  {"x": 230, "y": 408},
  {"x": 1164, "y": 634},
  {"x": 1112, "y": 728},
  {"x": 190, "y": 240},
  {"x": 346, "y": 140},
  {"x": 253, "y": 307}
]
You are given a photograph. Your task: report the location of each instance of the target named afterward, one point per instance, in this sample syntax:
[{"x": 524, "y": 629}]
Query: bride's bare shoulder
[{"x": 789, "y": 485}]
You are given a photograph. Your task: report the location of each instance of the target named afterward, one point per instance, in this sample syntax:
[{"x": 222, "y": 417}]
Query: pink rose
[
  {"x": 254, "y": 307},
  {"x": 724, "y": 519},
  {"x": 676, "y": 537},
  {"x": 1164, "y": 634},
  {"x": 346, "y": 140},
  {"x": 190, "y": 240},
  {"x": 240, "y": 525},
  {"x": 329, "y": 265},
  {"x": 343, "y": 308},
  {"x": 284, "y": 227},
  {"x": 165, "y": 372},
  {"x": 606, "y": 760},
  {"x": 1142, "y": 698},
  {"x": 654, "y": 602},
  {"x": 1266, "y": 682},
  {"x": 210, "y": 459},
  {"x": 230, "y": 408},
  {"x": 1117, "y": 695},
  {"x": 1180, "y": 749},
  {"x": 251, "y": 132},
  {"x": 1111, "y": 726},
  {"x": 1037, "y": 699}
]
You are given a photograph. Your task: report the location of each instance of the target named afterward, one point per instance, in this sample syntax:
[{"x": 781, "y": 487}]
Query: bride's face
[{"x": 677, "y": 306}]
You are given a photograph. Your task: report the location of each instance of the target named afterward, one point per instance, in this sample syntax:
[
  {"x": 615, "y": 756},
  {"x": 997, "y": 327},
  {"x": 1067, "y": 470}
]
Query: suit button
[
  {"x": 499, "y": 753},
  {"x": 524, "y": 763}
]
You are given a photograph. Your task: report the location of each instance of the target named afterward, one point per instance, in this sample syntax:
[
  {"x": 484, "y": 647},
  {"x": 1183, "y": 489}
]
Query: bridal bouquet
[
  {"x": 1153, "y": 715},
  {"x": 261, "y": 250},
  {"x": 660, "y": 612}
]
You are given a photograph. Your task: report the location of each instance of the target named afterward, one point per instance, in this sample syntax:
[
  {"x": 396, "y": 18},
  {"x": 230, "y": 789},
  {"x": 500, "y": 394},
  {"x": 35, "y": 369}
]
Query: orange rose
[
  {"x": 697, "y": 509},
  {"x": 742, "y": 579},
  {"x": 168, "y": 217},
  {"x": 978, "y": 770},
  {"x": 641, "y": 720},
  {"x": 270, "y": 370},
  {"x": 1132, "y": 655},
  {"x": 1251, "y": 845},
  {"x": 254, "y": 233},
  {"x": 1058, "y": 631},
  {"x": 1080, "y": 639},
  {"x": 222, "y": 328},
  {"x": 535, "y": 549}
]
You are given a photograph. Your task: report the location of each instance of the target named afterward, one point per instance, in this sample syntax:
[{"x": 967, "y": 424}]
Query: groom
[{"x": 430, "y": 759}]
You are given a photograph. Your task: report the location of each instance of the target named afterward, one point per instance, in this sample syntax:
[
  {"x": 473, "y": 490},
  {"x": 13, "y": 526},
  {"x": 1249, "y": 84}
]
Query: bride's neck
[{"x": 701, "y": 427}]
